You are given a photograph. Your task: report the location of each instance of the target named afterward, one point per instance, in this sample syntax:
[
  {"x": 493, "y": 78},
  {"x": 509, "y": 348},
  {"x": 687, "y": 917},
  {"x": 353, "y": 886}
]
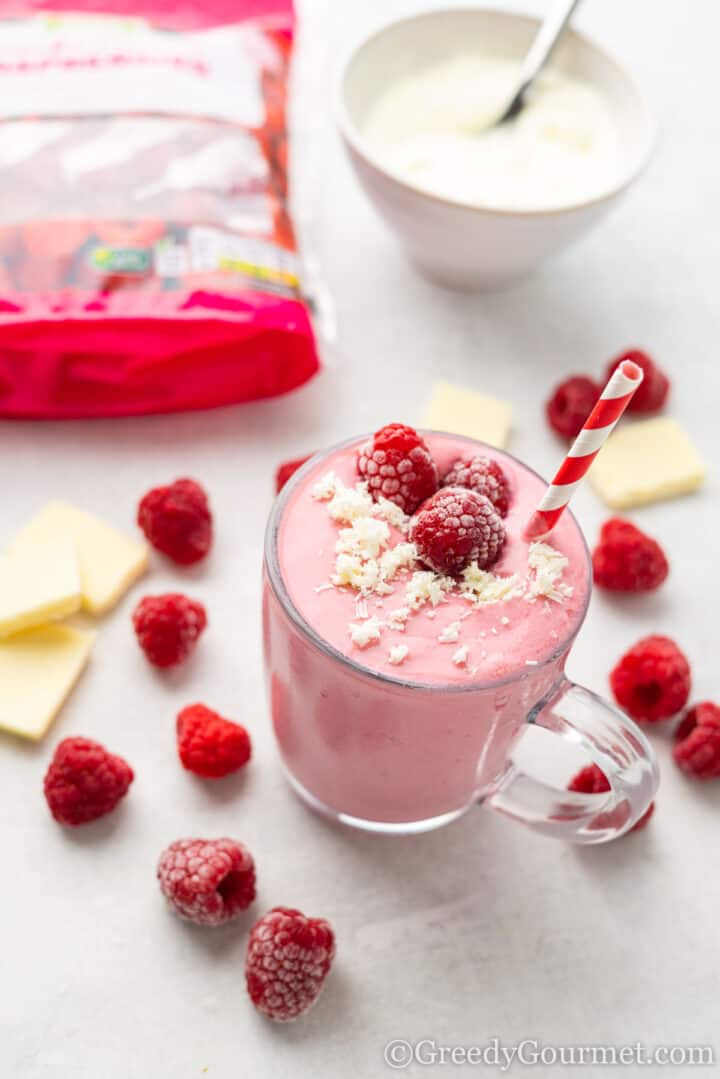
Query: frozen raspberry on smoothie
[
  {"x": 484, "y": 476},
  {"x": 397, "y": 465},
  {"x": 456, "y": 527}
]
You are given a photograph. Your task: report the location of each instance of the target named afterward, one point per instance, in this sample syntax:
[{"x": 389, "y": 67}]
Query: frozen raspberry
[
  {"x": 397, "y": 465},
  {"x": 697, "y": 742},
  {"x": 592, "y": 780},
  {"x": 288, "y": 959},
  {"x": 485, "y": 477},
  {"x": 207, "y": 881},
  {"x": 627, "y": 560},
  {"x": 570, "y": 405},
  {"x": 456, "y": 527},
  {"x": 168, "y": 627},
  {"x": 288, "y": 469},
  {"x": 652, "y": 680},
  {"x": 209, "y": 745},
  {"x": 84, "y": 781},
  {"x": 177, "y": 521},
  {"x": 652, "y": 392}
]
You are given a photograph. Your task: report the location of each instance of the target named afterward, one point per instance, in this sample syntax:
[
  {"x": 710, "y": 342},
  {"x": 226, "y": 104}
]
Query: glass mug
[{"x": 388, "y": 754}]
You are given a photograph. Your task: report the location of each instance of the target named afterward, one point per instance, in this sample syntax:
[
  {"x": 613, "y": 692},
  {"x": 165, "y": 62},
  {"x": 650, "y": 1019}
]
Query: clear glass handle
[{"x": 610, "y": 740}]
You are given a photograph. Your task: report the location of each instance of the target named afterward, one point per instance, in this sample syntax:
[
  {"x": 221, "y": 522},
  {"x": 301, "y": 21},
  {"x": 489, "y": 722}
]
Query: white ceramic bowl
[{"x": 464, "y": 246}]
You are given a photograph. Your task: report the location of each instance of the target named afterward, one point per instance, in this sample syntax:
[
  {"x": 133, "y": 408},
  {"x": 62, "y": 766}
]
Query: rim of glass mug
[{"x": 272, "y": 562}]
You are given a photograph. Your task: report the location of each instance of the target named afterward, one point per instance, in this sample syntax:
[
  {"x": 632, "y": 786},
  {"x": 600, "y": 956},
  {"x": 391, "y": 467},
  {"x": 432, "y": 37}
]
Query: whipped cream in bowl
[{"x": 476, "y": 205}]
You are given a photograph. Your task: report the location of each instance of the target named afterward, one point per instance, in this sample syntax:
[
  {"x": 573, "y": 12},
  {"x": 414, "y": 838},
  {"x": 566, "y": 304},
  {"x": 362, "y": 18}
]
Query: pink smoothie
[{"x": 408, "y": 742}]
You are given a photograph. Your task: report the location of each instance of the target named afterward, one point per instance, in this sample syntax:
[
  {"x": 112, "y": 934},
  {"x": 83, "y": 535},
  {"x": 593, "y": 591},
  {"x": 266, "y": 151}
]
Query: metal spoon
[{"x": 538, "y": 55}]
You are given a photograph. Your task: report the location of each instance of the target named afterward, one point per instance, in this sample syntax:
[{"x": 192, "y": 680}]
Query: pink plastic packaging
[{"x": 147, "y": 257}]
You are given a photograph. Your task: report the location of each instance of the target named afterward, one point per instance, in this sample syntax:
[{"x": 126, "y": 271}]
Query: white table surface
[{"x": 479, "y": 930}]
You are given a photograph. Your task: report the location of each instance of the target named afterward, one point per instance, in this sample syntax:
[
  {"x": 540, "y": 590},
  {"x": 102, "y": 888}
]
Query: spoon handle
[{"x": 539, "y": 52}]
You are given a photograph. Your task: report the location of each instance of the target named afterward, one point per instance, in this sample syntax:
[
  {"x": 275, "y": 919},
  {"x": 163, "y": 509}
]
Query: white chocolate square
[
  {"x": 109, "y": 560},
  {"x": 465, "y": 412},
  {"x": 39, "y": 584},
  {"x": 38, "y": 668},
  {"x": 646, "y": 461}
]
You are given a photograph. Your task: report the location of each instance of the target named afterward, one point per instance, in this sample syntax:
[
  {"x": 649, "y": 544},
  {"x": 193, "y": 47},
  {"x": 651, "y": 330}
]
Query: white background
[{"x": 478, "y": 930}]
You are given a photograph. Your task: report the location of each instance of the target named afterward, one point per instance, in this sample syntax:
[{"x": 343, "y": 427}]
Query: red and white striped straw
[{"x": 613, "y": 401}]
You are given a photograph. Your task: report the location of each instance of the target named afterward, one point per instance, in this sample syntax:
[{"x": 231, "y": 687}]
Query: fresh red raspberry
[
  {"x": 456, "y": 527},
  {"x": 697, "y": 742},
  {"x": 288, "y": 469},
  {"x": 485, "y": 477},
  {"x": 207, "y": 881},
  {"x": 592, "y": 780},
  {"x": 168, "y": 627},
  {"x": 397, "y": 465},
  {"x": 652, "y": 680},
  {"x": 570, "y": 405},
  {"x": 288, "y": 959},
  {"x": 84, "y": 781},
  {"x": 652, "y": 392},
  {"x": 177, "y": 521},
  {"x": 209, "y": 745},
  {"x": 627, "y": 560}
]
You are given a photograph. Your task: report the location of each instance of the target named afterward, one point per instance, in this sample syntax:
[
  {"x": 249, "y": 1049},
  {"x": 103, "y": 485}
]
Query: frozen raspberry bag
[{"x": 148, "y": 261}]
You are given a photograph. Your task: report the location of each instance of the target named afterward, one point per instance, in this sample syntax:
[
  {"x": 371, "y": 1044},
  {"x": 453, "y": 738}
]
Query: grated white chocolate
[
  {"x": 398, "y": 653},
  {"x": 401, "y": 556},
  {"x": 348, "y": 504},
  {"x": 427, "y": 587},
  {"x": 325, "y": 488},
  {"x": 545, "y": 569},
  {"x": 392, "y": 514},
  {"x": 483, "y": 587},
  {"x": 366, "y": 538},
  {"x": 397, "y": 619},
  {"x": 365, "y": 633},
  {"x": 460, "y": 657},
  {"x": 450, "y": 634}
]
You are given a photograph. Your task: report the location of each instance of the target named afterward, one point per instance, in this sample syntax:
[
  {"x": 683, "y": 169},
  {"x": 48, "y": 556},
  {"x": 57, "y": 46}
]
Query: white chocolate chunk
[
  {"x": 398, "y": 653},
  {"x": 109, "y": 560},
  {"x": 38, "y": 668},
  {"x": 39, "y": 584},
  {"x": 365, "y": 633},
  {"x": 465, "y": 412},
  {"x": 646, "y": 461},
  {"x": 460, "y": 657}
]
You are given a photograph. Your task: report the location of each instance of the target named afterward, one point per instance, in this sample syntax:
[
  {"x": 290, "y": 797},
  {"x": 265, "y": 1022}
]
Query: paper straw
[{"x": 613, "y": 401}]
